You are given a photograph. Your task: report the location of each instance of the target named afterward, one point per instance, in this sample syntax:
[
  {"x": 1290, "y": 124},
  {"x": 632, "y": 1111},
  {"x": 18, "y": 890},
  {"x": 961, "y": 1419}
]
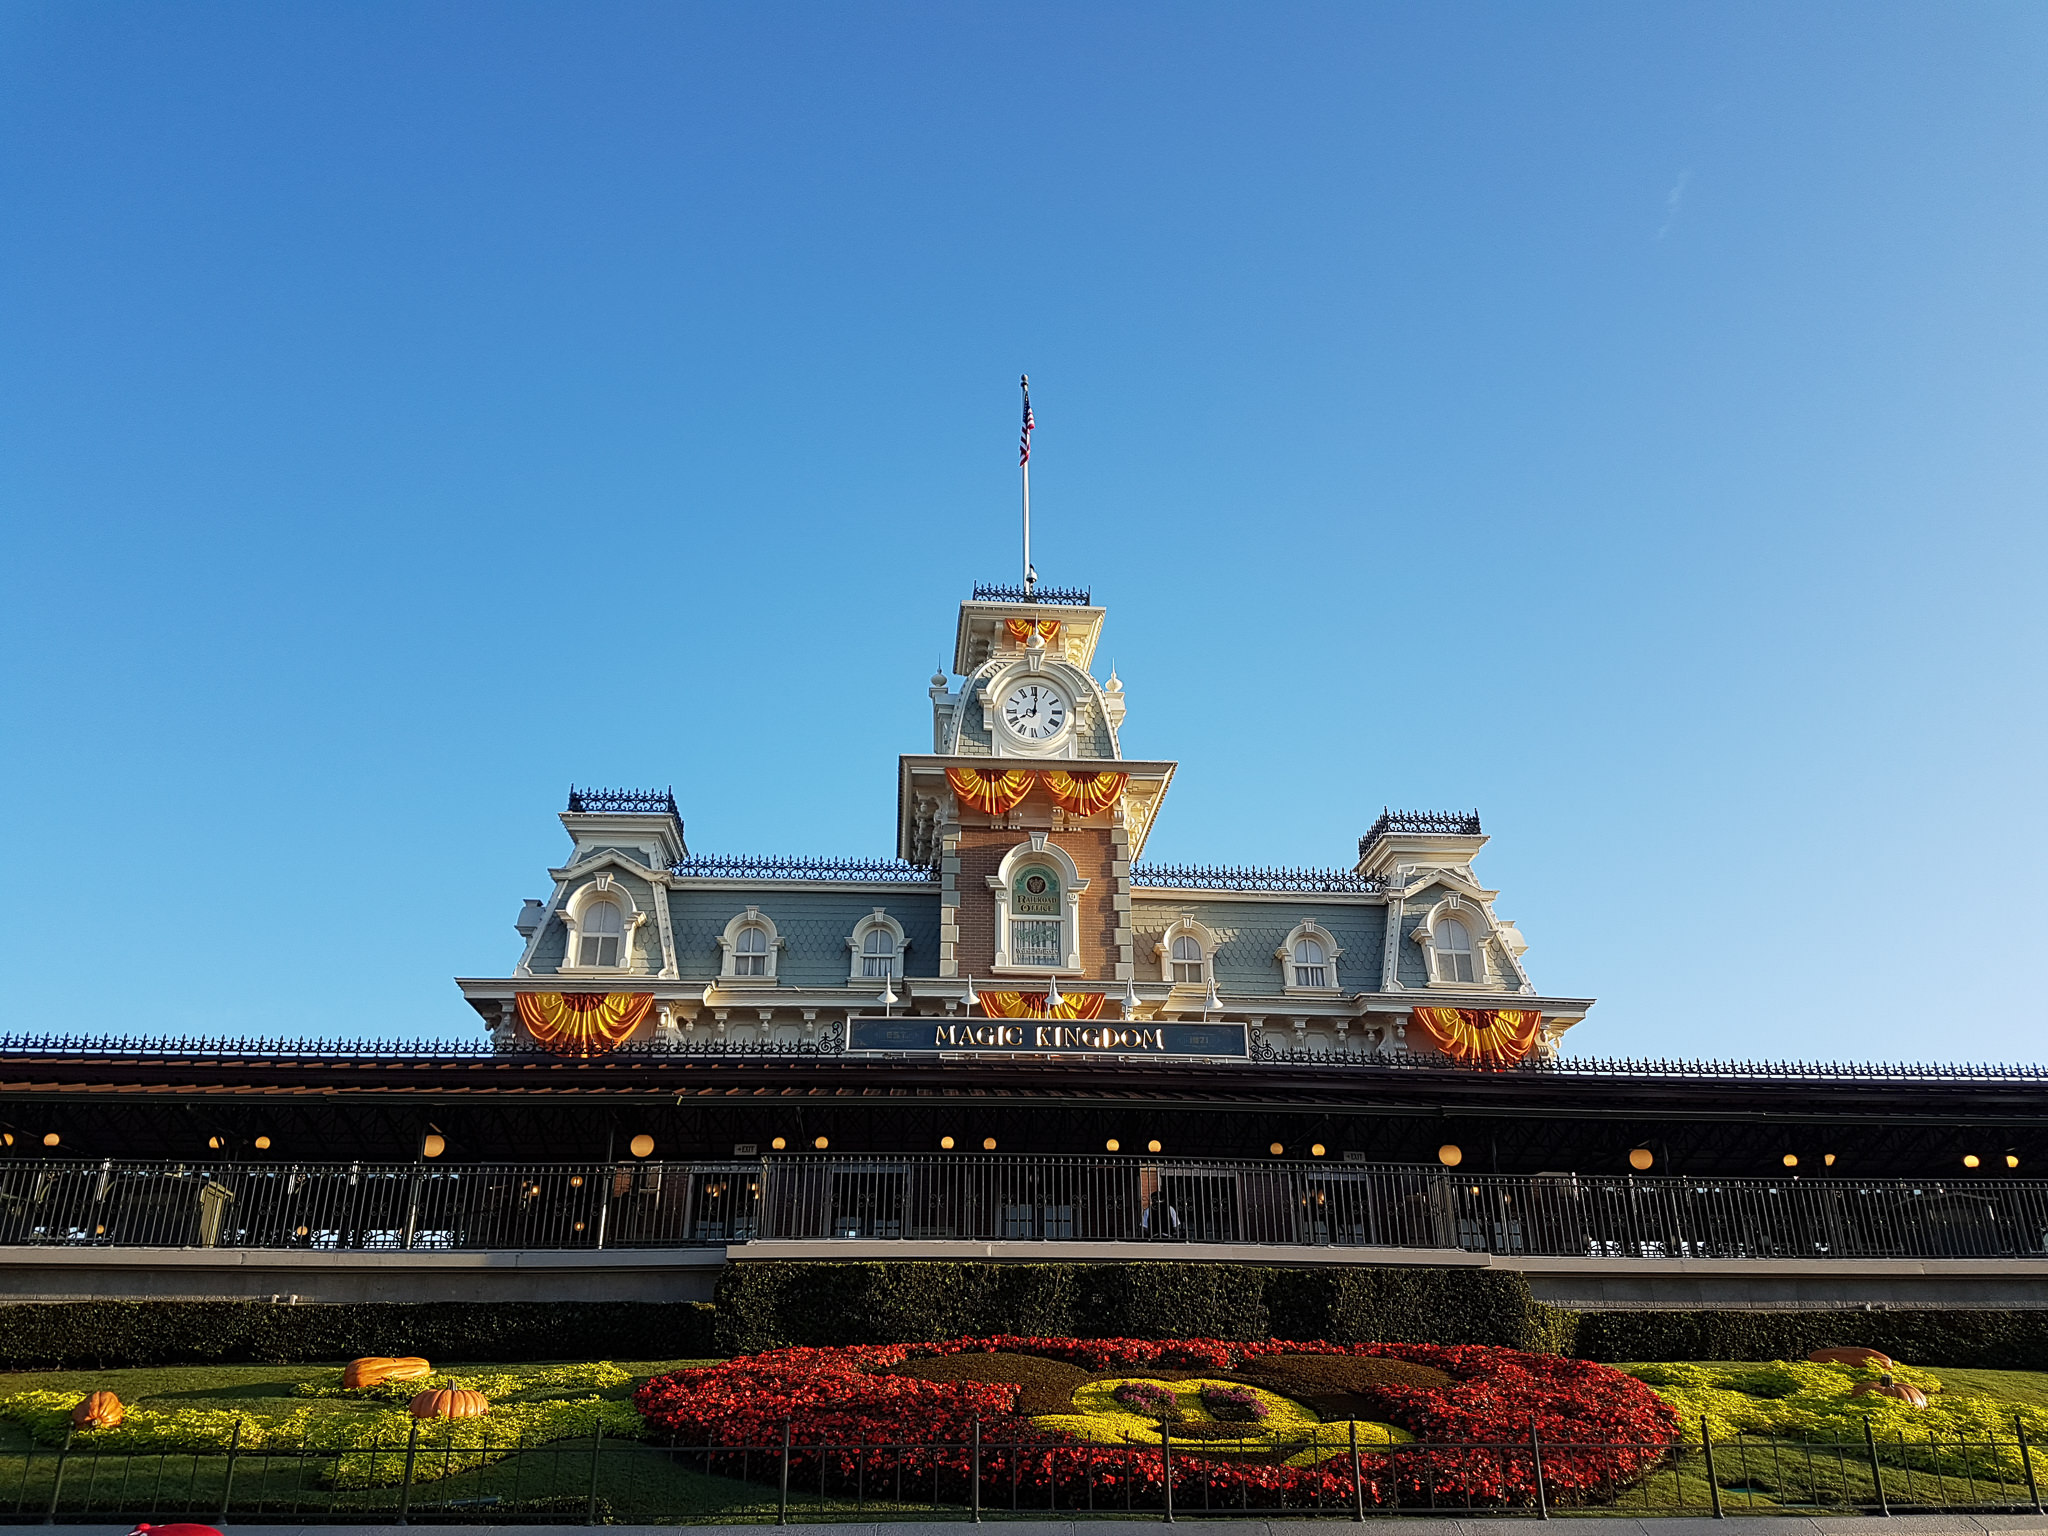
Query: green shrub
[
  {"x": 104, "y": 1334},
  {"x": 764, "y": 1305},
  {"x": 2013, "y": 1340}
]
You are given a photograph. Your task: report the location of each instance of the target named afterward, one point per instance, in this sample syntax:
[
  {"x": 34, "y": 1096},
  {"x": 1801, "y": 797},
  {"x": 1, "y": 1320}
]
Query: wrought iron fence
[
  {"x": 990, "y": 1476},
  {"x": 468, "y": 1207}
]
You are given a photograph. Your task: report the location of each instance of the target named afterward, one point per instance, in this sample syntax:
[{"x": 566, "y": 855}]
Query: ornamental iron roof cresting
[
  {"x": 632, "y": 802},
  {"x": 1073, "y": 597}
]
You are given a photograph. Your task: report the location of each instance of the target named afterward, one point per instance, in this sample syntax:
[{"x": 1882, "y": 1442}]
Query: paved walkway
[{"x": 1598, "y": 1525}]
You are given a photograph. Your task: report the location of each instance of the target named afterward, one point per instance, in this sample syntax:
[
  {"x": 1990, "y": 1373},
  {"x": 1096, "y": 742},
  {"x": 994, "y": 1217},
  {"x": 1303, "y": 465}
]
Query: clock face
[{"x": 1035, "y": 711}]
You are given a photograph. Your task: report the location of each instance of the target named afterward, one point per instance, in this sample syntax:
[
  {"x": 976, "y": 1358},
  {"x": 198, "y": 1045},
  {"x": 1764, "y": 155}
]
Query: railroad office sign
[{"x": 1044, "y": 1037}]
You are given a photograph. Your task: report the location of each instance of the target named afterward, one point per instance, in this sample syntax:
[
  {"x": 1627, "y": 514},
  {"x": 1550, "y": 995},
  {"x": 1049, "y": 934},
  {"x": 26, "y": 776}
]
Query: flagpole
[{"x": 1024, "y": 383}]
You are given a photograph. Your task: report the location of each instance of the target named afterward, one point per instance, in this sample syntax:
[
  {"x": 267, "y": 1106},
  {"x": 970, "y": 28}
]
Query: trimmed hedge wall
[
  {"x": 117, "y": 1333},
  {"x": 1918, "y": 1335},
  {"x": 767, "y": 1304}
]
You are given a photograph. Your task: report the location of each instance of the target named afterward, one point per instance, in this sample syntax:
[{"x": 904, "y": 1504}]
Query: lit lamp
[
  {"x": 988, "y": 1143},
  {"x": 1113, "y": 1145},
  {"x": 51, "y": 1139},
  {"x": 1316, "y": 1150},
  {"x": 1450, "y": 1154},
  {"x": 822, "y": 1143},
  {"x": 2011, "y": 1158},
  {"x": 945, "y": 1143},
  {"x": 1153, "y": 1146},
  {"x": 262, "y": 1143},
  {"x": 777, "y": 1144},
  {"x": 1640, "y": 1159},
  {"x": 1828, "y": 1159},
  {"x": 641, "y": 1145},
  {"x": 1791, "y": 1159},
  {"x": 1970, "y": 1160},
  {"x": 434, "y": 1145},
  {"x": 1276, "y": 1149}
]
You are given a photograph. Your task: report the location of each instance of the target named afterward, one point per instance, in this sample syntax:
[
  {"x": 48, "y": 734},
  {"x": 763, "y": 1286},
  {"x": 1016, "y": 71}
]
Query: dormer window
[
  {"x": 1311, "y": 964},
  {"x": 1187, "y": 961},
  {"x": 602, "y": 934},
  {"x": 1453, "y": 944},
  {"x": 1308, "y": 959},
  {"x": 750, "y": 951},
  {"x": 878, "y": 955},
  {"x": 1035, "y": 914}
]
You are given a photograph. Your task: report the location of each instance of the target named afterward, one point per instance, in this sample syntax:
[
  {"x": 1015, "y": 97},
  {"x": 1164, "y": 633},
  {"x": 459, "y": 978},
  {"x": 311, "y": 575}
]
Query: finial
[
  {"x": 1115, "y": 683},
  {"x": 939, "y": 677}
]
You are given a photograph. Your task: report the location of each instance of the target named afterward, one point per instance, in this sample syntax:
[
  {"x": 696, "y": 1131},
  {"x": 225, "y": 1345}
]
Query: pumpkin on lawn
[
  {"x": 1852, "y": 1354},
  {"x": 372, "y": 1369},
  {"x": 101, "y": 1410},
  {"x": 450, "y": 1403},
  {"x": 1884, "y": 1386}
]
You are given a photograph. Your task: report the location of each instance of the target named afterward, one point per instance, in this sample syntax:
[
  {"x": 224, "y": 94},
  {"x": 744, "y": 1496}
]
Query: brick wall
[{"x": 981, "y": 852}]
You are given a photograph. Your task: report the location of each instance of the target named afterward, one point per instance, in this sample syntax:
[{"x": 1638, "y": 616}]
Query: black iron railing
[
  {"x": 1246, "y": 877},
  {"x": 1442, "y": 823},
  {"x": 1072, "y": 597},
  {"x": 1266, "y": 1049},
  {"x": 768, "y": 866},
  {"x": 998, "y": 1470},
  {"x": 430, "y": 1207},
  {"x": 641, "y": 802}
]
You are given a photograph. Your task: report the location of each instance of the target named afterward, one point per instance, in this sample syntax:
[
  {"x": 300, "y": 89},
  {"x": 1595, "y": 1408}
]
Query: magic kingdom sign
[{"x": 1044, "y": 1037}]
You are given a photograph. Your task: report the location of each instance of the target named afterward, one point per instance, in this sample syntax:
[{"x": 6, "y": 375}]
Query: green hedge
[
  {"x": 118, "y": 1333},
  {"x": 2009, "y": 1340},
  {"x": 767, "y": 1304}
]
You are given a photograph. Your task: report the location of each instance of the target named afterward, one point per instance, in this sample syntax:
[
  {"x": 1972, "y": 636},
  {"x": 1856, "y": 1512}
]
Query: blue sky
[{"x": 1626, "y": 419}]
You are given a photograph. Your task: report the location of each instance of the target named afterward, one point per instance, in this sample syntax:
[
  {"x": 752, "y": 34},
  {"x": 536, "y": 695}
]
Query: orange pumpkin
[
  {"x": 1852, "y": 1354},
  {"x": 372, "y": 1369},
  {"x": 1884, "y": 1386},
  {"x": 101, "y": 1410},
  {"x": 450, "y": 1403}
]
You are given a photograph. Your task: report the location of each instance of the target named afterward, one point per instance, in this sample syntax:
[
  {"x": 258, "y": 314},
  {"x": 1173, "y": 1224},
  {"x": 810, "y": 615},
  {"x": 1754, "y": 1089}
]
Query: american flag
[{"x": 1024, "y": 441}]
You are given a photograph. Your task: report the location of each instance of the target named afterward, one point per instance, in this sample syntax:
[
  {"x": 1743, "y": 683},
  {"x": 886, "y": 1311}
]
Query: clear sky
[{"x": 1627, "y": 419}]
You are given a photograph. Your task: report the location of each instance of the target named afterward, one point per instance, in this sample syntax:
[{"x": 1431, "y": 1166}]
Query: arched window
[
  {"x": 1187, "y": 960},
  {"x": 750, "y": 951},
  {"x": 1035, "y": 917},
  {"x": 603, "y": 931},
  {"x": 878, "y": 954},
  {"x": 1453, "y": 943},
  {"x": 1311, "y": 964}
]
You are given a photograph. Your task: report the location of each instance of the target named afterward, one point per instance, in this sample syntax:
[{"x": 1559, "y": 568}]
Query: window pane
[
  {"x": 1035, "y": 943},
  {"x": 1309, "y": 976},
  {"x": 1463, "y": 966},
  {"x": 603, "y": 917},
  {"x": 879, "y": 942},
  {"x": 586, "y": 953},
  {"x": 750, "y": 965},
  {"x": 1451, "y": 935},
  {"x": 1185, "y": 948},
  {"x": 1309, "y": 952},
  {"x": 753, "y": 941},
  {"x": 1187, "y": 972},
  {"x": 877, "y": 966}
]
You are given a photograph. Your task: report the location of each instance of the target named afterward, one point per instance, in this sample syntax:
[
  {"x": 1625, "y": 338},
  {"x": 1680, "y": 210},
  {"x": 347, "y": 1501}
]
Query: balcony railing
[{"x": 431, "y": 1207}]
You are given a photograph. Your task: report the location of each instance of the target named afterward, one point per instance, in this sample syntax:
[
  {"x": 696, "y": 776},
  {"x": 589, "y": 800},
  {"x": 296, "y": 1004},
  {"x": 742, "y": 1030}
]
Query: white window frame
[
  {"x": 1332, "y": 952},
  {"x": 1039, "y": 849},
  {"x": 1479, "y": 926},
  {"x": 1185, "y": 927},
  {"x": 877, "y": 921},
  {"x": 728, "y": 944},
  {"x": 600, "y": 888}
]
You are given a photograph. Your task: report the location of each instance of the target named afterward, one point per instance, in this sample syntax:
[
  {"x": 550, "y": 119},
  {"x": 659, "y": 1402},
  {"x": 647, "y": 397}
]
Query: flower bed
[{"x": 1069, "y": 1421}]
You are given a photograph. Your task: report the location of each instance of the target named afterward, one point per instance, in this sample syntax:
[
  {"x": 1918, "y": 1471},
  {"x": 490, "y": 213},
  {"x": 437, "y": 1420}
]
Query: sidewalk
[{"x": 1598, "y": 1525}]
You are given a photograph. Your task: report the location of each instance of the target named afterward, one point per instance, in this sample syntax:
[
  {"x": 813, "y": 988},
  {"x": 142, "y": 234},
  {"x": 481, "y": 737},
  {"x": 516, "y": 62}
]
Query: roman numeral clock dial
[{"x": 1035, "y": 711}]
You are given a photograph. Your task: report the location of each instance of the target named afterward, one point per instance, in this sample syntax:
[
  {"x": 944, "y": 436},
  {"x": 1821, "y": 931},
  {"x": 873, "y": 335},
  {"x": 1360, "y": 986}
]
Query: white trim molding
[
  {"x": 1185, "y": 927},
  {"x": 1479, "y": 927}
]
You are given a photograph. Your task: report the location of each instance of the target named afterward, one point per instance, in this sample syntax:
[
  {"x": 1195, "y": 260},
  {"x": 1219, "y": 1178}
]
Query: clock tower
[{"x": 1028, "y": 808}]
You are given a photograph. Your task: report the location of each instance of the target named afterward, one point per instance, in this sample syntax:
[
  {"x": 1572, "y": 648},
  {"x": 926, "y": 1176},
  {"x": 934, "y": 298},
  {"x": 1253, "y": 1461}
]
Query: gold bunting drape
[
  {"x": 992, "y": 794},
  {"x": 1494, "y": 1036},
  {"x": 1031, "y": 1005},
  {"x": 1083, "y": 794},
  {"x": 1019, "y": 630},
  {"x": 582, "y": 1023}
]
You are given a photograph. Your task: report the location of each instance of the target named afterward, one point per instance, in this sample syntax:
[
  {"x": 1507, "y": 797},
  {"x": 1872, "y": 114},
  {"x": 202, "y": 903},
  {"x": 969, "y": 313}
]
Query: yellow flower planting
[
  {"x": 1287, "y": 1425},
  {"x": 1801, "y": 1400}
]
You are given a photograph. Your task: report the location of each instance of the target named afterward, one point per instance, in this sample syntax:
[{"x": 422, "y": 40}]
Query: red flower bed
[{"x": 1599, "y": 1430}]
